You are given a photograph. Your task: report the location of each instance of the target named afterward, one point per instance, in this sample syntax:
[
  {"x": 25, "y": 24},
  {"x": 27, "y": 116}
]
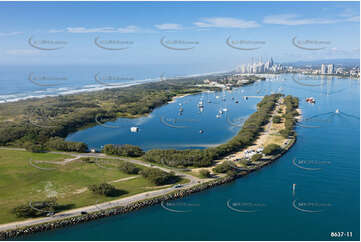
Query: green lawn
[{"x": 20, "y": 182}]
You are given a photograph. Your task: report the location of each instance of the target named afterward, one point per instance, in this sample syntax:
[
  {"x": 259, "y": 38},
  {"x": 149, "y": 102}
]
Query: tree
[
  {"x": 128, "y": 168},
  {"x": 159, "y": 177},
  {"x": 36, "y": 208},
  {"x": 205, "y": 173},
  {"x": 105, "y": 189},
  {"x": 35, "y": 148},
  {"x": 276, "y": 119},
  {"x": 123, "y": 150},
  {"x": 224, "y": 167},
  {"x": 256, "y": 157},
  {"x": 272, "y": 149}
]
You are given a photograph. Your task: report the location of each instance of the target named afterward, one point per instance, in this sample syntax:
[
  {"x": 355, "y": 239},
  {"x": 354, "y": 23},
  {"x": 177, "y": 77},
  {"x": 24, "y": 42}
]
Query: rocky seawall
[{"x": 133, "y": 206}]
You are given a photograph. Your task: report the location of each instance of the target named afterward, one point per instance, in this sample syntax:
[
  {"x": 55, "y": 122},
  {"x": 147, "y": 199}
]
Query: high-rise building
[
  {"x": 323, "y": 69},
  {"x": 259, "y": 66},
  {"x": 330, "y": 69}
]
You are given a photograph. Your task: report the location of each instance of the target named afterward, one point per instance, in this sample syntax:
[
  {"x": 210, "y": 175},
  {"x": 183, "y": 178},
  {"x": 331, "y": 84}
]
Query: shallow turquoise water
[{"x": 332, "y": 192}]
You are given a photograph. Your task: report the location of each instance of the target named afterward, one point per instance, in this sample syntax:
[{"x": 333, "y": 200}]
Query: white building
[
  {"x": 323, "y": 69},
  {"x": 330, "y": 69}
]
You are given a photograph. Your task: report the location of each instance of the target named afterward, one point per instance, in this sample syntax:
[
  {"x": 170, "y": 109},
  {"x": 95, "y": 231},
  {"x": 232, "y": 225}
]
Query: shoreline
[
  {"x": 117, "y": 210},
  {"x": 98, "y": 87},
  {"x": 113, "y": 207}
]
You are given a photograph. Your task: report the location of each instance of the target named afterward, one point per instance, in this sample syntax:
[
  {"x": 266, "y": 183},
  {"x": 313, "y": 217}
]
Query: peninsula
[{"x": 87, "y": 186}]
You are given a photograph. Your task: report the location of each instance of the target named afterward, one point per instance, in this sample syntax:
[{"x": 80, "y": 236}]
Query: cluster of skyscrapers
[
  {"x": 327, "y": 69},
  {"x": 260, "y": 67}
]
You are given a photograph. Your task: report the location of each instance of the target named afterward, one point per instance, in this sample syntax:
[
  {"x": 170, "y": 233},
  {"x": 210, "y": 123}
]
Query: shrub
[
  {"x": 129, "y": 168},
  {"x": 256, "y": 157},
  {"x": 35, "y": 148},
  {"x": 123, "y": 150},
  {"x": 276, "y": 119},
  {"x": 36, "y": 209},
  {"x": 105, "y": 189},
  {"x": 204, "y": 173},
  {"x": 159, "y": 177},
  {"x": 272, "y": 149},
  {"x": 224, "y": 167}
]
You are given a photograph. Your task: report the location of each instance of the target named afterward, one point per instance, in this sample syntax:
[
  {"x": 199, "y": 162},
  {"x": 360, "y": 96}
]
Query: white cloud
[
  {"x": 10, "y": 33},
  {"x": 82, "y": 30},
  {"x": 22, "y": 52},
  {"x": 293, "y": 19},
  {"x": 56, "y": 30},
  {"x": 169, "y": 26},
  {"x": 226, "y": 23}
]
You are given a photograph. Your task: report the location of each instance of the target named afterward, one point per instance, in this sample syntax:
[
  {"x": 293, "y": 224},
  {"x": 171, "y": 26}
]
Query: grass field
[{"x": 22, "y": 182}]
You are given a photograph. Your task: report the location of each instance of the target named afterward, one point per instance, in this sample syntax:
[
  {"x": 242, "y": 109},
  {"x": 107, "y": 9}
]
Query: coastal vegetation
[
  {"x": 159, "y": 177},
  {"x": 105, "y": 189},
  {"x": 129, "y": 168},
  {"x": 123, "y": 150},
  {"x": 36, "y": 208},
  {"x": 290, "y": 116},
  {"x": 47, "y": 121},
  {"x": 272, "y": 149},
  {"x": 204, "y": 173}
]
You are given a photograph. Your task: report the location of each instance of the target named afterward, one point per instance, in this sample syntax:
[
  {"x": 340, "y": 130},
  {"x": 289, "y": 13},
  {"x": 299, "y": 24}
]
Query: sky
[{"x": 218, "y": 34}]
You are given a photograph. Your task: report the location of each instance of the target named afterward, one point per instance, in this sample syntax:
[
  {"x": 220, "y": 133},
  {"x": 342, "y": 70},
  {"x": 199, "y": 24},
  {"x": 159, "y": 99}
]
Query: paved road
[{"x": 106, "y": 205}]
